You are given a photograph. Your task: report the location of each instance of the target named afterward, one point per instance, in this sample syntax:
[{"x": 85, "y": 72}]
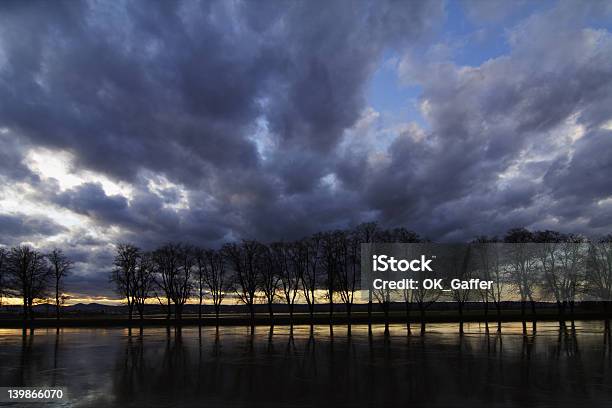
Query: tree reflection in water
[{"x": 278, "y": 367}]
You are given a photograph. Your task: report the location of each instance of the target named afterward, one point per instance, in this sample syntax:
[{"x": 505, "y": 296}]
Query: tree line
[
  {"x": 251, "y": 271},
  {"x": 31, "y": 275},
  {"x": 325, "y": 268}
]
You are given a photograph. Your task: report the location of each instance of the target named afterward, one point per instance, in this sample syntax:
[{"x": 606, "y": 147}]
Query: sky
[{"x": 208, "y": 122}]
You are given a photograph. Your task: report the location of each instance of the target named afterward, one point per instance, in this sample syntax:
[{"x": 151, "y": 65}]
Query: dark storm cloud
[
  {"x": 144, "y": 214},
  {"x": 181, "y": 89},
  {"x": 15, "y": 228},
  {"x": 229, "y": 120},
  {"x": 172, "y": 87}
]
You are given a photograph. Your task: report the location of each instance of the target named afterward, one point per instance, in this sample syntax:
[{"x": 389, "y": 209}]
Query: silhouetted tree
[
  {"x": 423, "y": 297},
  {"x": 330, "y": 260},
  {"x": 60, "y": 268},
  {"x": 458, "y": 265},
  {"x": 573, "y": 264},
  {"x": 383, "y": 297},
  {"x": 3, "y": 259},
  {"x": 348, "y": 269},
  {"x": 561, "y": 260},
  {"x": 599, "y": 275},
  {"x": 305, "y": 258},
  {"x": 488, "y": 254},
  {"x": 524, "y": 275},
  {"x": 268, "y": 277},
  {"x": 166, "y": 261},
  {"x": 200, "y": 265},
  {"x": 368, "y": 233},
  {"x": 27, "y": 276},
  {"x": 181, "y": 288},
  {"x": 215, "y": 279},
  {"x": 122, "y": 275},
  {"x": 404, "y": 236},
  {"x": 243, "y": 258},
  {"x": 143, "y": 282},
  {"x": 289, "y": 272}
]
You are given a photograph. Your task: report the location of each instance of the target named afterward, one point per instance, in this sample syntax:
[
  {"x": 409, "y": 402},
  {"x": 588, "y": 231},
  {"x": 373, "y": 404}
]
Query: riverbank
[{"x": 283, "y": 319}]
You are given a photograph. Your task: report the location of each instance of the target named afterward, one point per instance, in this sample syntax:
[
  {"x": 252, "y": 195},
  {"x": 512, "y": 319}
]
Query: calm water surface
[{"x": 110, "y": 367}]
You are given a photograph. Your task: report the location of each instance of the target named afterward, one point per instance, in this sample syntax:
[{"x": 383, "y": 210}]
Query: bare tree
[
  {"x": 423, "y": 296},
  {"x": 561, "y": 260},
  {"x": 349, "y": 266},
  {"x": 143, "y": 282},
  {"x": 383, "y": 297},
  {"x": 488, "y": 254},
  {"x": 305, "y": 259},
  {"x": 60, "y": 267},
  {"x": 243, "y": 260},
  {"x": 548, "y": 253},
  {"x": 368, "y": 233},
  {"x": 166, "y": 261},
  {"x": 331, "y": 262},
  {"x": 215, "y": 279},
  {"x": 200, "y": 264},
  {"x": 3, "y": 263},
  {"x": 599, "y": 275},
  {"x": 573, "y": 266},
  {"x": 269, "y": 277},
  {"x": 27, "y": 276},
  {"x": 459, "y": 267},
  {"x": 123, "y": 272},
  {"x": 182, "y": 284},
  {"x": 524, "y": 276},
  {"x": 288, "y": 272}
]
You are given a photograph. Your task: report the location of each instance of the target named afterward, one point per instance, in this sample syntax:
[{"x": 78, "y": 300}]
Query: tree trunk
[
  {"x": 311, "y": 311},
  {"x": 561, "y": 312},
  {"x": 200, "y": 311},
  {"x": 499, "y": 320},
  {"x": 606, "y": 317},
  {"x": 534, "y": 317},
  {"x": 271, "y": 313},
  {"x": 178, "y": 312},
  {"x": 573, "y": 320},
  {"x": 408, "y": 328},
  {"x": 348, "y": 315},
  {"x": 385, "y": 306},
  {"x": 57, "y": 300},
  {"x": 461, "y": 332},
  {"x": 370, "y": 316},
  {"x": 486, "y": 316},
  {"x": 523, "y": 318},
  {"x": 25, "y": 309},
  {"x": 422, "y": 310}
]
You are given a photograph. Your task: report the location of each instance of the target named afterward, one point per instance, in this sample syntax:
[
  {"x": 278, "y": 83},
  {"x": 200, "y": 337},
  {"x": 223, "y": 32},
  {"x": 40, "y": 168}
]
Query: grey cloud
[
  {"x": 193, "y": 92},
  {"x": 585, "y": 174},
  {"x": 484, "y": 120},
  {"x": 18, "y": 227}
]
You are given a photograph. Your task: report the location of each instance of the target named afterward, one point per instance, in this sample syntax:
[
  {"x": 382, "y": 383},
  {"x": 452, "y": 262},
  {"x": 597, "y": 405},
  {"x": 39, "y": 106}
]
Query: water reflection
[{"x": 281, "y": 366}]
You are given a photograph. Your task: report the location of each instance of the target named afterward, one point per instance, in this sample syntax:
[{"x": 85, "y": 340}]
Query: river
[{"x": 234, "y": 367}]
